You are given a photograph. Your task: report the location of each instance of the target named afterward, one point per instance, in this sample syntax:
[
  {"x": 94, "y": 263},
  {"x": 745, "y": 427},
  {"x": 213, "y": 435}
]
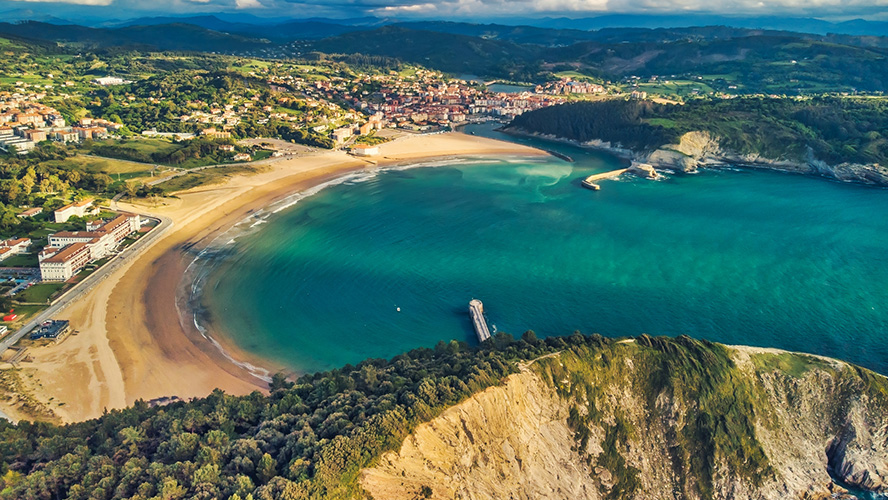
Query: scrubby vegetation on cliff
[
  {"x": 694, "y": 374},
  {"x": 310, "y": 439},
  {"x": 835, "y": 130}
]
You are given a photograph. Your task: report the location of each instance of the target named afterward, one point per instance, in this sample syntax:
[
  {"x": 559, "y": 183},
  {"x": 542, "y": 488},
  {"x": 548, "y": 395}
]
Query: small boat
[{"x": 591, "y": 185}]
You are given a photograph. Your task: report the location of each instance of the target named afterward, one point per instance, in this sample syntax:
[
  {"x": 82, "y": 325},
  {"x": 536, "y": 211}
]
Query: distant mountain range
[
  {"x": 759, "y": 60},
  {"x": 182, "y": 37},
  {"x": 319, "y": 27}
]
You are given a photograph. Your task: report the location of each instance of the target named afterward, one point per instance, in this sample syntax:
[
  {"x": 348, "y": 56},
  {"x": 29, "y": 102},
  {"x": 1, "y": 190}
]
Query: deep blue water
[{"x": 735, "y": 256}]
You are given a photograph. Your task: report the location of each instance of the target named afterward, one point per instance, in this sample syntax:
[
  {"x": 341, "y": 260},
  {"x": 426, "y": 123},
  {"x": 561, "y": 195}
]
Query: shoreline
[
  {"x": 131, "y": 343},
  {"x": 193, "y": 303}
]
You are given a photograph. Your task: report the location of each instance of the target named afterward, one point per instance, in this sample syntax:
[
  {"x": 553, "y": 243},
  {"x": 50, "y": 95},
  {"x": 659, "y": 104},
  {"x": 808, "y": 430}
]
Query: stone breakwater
[{"x": 701, "y": 150}]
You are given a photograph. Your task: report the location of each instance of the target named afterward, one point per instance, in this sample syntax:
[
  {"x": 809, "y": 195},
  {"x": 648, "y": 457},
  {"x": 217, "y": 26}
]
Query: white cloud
[
  {"x": 412, "y": 8},
  {"x": 248, "y": 4}
]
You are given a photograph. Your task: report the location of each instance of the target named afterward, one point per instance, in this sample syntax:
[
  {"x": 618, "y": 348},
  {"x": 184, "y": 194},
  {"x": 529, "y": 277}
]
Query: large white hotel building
[{"x": 69, "y": 251}]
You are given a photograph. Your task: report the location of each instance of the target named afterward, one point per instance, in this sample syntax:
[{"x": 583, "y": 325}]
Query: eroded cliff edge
[{"x": 653, "y": 418}]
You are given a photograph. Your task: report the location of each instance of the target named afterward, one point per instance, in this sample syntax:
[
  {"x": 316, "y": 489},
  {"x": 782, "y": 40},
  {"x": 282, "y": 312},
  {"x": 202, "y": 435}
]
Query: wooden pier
[
  {"x": 589, "y": 182},
  {"x": 476, "y": 311}
]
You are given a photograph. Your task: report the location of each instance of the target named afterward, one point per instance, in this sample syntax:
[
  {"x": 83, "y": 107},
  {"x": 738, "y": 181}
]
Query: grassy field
[
  {"x": 117, "y": 169},
  {"x": 371, "y": 140},
  {"x": 262, "y": 155},
  {"x": 663, "y": 122},
  {"x": 39, "y": 293},
  {"x": 576, "y": 75},
  {"x": 204, "y": 177},
  {"x": 27, "y": 260},
  {"x": 25, "y": 312},
  {"x": 144, "y": 145},
  {"x": 293, "y": 112},
  {"x": 250, "y": 65},
  {"x": 140, "y": 151},
  {"x": 675, "y": 87},
  {"x": 792, "y": 364}
]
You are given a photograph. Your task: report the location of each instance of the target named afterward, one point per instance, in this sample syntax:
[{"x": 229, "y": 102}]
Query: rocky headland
[
  {"x": 652, "y": 419},
  {"x": 700, "y": 149}
]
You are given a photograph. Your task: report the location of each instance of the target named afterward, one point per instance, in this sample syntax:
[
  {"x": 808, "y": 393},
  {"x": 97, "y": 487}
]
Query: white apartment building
[
  {"x": 65, "y": 263},
  {"x": 79, "y": 208}
]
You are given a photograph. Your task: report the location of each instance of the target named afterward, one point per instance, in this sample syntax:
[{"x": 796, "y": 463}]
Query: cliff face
[
  {"x": 701, "y": 149},
  {"x": 645, "y": 419}
]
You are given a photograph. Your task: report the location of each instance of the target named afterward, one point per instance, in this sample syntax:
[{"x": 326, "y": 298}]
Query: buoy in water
[{"x": 398, "y": 309}]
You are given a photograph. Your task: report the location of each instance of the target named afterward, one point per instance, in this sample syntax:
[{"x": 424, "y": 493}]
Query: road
[{"x": 92, "y": 280}]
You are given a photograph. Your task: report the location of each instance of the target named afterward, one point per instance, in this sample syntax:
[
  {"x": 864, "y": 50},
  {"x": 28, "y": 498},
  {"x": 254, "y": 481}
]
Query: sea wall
[{"x": 700, "y": 149}]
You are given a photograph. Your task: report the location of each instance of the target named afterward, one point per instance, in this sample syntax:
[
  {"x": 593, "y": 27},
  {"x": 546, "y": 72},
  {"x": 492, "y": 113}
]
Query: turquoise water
[{"x": 735, "y": 256}]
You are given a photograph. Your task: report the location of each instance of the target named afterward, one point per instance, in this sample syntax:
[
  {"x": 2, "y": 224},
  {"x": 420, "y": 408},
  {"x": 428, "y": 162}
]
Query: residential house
[{"x": 31, "y": 212}]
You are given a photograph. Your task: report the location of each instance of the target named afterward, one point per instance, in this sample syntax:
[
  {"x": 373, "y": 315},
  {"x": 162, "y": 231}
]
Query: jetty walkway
[
  {"x": 589, "y": 182},
  {"x": 476, "y": 311}
]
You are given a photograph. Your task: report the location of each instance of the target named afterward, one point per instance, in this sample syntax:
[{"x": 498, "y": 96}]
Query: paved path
[{"x": 92, "y": 280}]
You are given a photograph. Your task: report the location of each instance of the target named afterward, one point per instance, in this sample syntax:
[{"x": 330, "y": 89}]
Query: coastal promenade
[{"x": 91, "y": 281}]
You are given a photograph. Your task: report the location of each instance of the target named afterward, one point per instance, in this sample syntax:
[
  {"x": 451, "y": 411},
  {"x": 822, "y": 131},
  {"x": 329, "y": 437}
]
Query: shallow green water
[{"x": 740, "y": 257}]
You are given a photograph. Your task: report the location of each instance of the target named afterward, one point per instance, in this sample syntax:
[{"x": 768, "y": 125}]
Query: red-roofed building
[
  {"x": 99, "y": 242},
  {"x": 65, "y": 263},
  {"x": 31, "y": 212},
  {"x": 34, "y": 135}
]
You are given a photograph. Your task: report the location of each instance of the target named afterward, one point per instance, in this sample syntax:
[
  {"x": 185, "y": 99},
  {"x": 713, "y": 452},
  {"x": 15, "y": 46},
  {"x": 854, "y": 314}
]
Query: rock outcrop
[
  {"x": 619, "y": 423},
  {"x": 643, "y": 170},
  {"x": 702, "y": 149}
]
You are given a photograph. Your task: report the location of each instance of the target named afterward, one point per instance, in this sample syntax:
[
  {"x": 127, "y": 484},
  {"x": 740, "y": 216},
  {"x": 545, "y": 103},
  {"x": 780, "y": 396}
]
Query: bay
[{"x": 377, "y": 267}]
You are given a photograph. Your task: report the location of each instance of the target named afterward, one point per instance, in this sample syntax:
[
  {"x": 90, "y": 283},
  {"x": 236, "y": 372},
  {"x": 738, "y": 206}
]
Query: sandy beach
[{"x": 130, "y": 343}]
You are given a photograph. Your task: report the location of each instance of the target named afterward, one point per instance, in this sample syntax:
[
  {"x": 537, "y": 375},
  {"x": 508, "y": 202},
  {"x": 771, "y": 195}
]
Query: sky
[{"x": 445, "y": 9}]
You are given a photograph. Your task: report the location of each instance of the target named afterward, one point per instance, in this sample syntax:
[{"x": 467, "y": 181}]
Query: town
[
  {"x": 25, "y": 122},
  {"x": 423, "y": 101}
]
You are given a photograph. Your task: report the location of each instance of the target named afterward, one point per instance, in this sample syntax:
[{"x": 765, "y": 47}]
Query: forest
[
  {"x": 41, "y": 179},
  {"x": 834, "y": 130}
]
